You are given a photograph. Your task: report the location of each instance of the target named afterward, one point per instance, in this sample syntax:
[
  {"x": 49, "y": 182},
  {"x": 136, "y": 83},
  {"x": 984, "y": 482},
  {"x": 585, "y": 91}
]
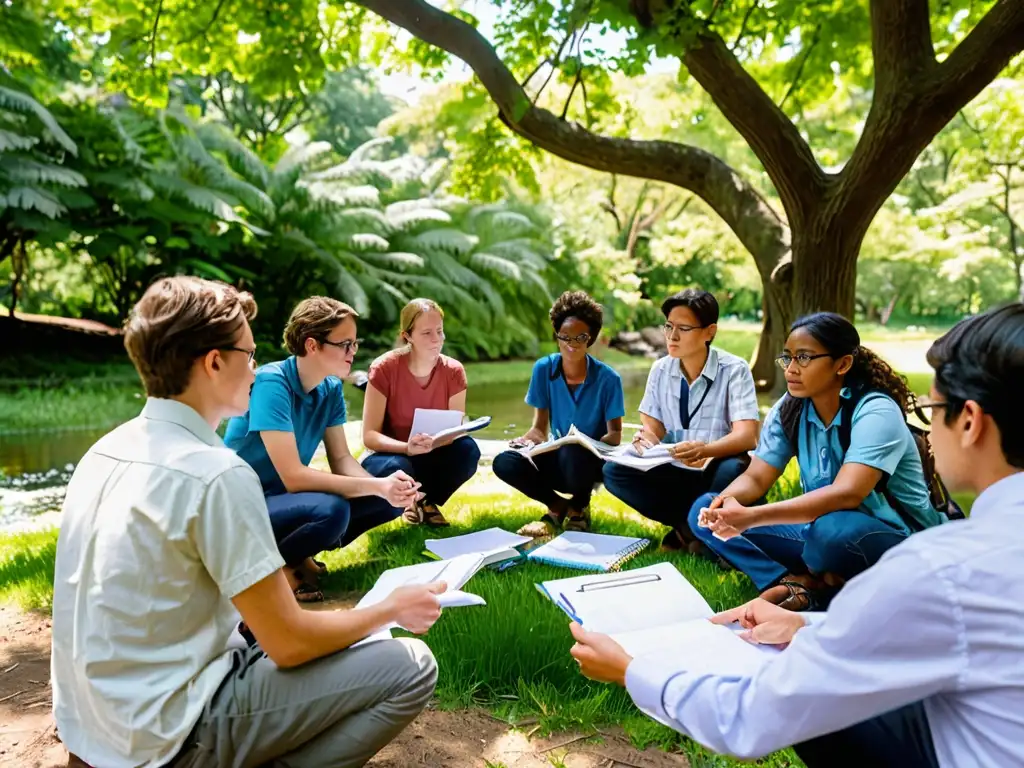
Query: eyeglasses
[
  {"x": 924, "y": 402},
  {"x": 583, "y": 338},
  {"x": 346, "y": 346},
  {"x": 670, "y": 330},
  {"x": 803, "y": 359},
  {"x": 250, "y": 353}
]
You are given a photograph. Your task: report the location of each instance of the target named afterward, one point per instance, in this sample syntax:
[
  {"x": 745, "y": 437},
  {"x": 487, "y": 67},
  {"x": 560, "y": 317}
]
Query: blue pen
[{"x": 570, "y": 610}]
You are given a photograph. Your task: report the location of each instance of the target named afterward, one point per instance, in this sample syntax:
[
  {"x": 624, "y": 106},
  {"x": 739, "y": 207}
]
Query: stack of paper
[{"x": 494, "y": 545}]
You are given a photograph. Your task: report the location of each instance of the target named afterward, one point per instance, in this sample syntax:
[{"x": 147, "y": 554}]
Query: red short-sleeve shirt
[{"x": 390, "y": 375}]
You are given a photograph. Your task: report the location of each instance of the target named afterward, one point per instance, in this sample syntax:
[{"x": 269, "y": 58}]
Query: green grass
[{"x": 510, "y": 656}]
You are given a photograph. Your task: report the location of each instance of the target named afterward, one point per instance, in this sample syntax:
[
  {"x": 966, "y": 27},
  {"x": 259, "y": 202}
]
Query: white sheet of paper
[
  {"x": 430, "y": 421},
  {"x": 638, "y": 599},
  {"x": 478, "y": 542},
  {"x": 698, "y": 638}
]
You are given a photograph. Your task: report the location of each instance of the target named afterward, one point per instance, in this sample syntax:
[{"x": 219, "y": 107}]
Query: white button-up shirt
[
  {"x": 162, "y": 525},
  {"x": 724, "y": 391},
  {"x": 940, "y": 618}
]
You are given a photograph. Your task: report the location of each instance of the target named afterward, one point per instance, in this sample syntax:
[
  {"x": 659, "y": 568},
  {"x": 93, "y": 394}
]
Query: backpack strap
[{"x": 790, "y": 416}]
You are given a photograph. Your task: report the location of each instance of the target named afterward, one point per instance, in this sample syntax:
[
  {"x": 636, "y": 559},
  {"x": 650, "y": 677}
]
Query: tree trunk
[
  {"x": 778, "y": 315},
  {"x": 19, "y": 266},
  {"x": 825, "y": 254}
]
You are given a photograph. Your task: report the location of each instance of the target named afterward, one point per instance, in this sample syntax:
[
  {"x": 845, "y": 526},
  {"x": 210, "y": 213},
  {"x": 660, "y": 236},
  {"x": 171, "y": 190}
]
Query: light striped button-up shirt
[{"x": 724, "y": 391}]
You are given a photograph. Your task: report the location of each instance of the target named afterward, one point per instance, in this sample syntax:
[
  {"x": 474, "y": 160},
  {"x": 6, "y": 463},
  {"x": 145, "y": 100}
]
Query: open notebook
[
  {"x": 589, "y": 551},
  {"x": 626, "y": 455},
  {"x": 652, "y": 610},
  {"x": 443, "y": 423}
]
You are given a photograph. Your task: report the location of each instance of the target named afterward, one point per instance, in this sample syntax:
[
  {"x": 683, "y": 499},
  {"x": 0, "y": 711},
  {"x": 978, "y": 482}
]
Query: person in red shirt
[{"x": 417, "y": 375}]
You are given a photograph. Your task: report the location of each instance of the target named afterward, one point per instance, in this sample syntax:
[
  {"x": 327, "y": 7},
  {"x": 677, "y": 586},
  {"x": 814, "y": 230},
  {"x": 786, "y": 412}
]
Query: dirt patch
[{"x": 470, "y": 738}]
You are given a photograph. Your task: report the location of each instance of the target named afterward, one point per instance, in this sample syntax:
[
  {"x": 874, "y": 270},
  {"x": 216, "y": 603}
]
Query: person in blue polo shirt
[
  {"x": 568, "y": 388},
  {"x": 857, "y": 502},
  {"x": 296, "y": 404}
]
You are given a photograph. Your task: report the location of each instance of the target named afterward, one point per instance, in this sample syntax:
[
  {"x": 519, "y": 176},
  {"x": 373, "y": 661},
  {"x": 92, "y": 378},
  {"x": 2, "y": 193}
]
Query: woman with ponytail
[{"x": 864, "y": 488}]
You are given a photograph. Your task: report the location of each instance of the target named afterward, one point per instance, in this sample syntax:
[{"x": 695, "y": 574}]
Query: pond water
[{"x": 33, "y": 460}]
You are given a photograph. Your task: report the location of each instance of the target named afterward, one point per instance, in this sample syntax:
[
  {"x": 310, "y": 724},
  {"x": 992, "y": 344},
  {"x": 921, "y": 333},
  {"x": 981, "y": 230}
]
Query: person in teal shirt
[{"x": 856, "y": 503}]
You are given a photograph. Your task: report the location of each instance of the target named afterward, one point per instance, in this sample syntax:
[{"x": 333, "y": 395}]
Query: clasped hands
[
  {"x": 726, "y": 517},
  {"x": 601, "y": 658}
]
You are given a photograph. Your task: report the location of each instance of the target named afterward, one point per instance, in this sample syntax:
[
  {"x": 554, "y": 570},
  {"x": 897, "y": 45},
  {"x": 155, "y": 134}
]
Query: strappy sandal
[
  {"x": 425, "y": 514},
  {"x": 578, "y": 519},
  {"x": 548, "y": 525},
  {"x": 800, "y": 597}
]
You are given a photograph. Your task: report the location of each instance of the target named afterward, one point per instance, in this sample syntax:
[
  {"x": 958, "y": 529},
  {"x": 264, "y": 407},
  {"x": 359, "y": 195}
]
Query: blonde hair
[
  {"x": 314, "y": 318},
  {"x": 177, "y": 320},
  {"x": 411, "y": 312}
]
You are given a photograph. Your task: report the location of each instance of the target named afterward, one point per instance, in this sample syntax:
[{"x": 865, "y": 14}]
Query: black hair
[
  {"x": 578, "y": 304},
  {"x": 702, "y": 303},
  {"x": 982, "y": 359},
  {"x": 868, "y": 373}
]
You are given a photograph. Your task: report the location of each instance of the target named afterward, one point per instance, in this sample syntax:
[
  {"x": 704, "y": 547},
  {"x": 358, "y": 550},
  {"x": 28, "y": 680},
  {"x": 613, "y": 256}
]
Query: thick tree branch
[
  {"x": 901, "y": 45},
  {"x": 898, "y": 129},
  {"x": 771, "y": 135},
  {"x": 978, "y": 60},
  {"x": 751, "y": 218}
]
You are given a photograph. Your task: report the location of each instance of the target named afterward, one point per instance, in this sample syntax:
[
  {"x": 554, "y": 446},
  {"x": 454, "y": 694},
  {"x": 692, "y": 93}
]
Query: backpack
[{"x": 790, "y": 416}]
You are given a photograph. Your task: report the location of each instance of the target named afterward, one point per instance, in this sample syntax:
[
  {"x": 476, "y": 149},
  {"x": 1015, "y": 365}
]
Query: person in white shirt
[
  {"x": 919, "y": 661},
  {"x": 166, "y": 542}
]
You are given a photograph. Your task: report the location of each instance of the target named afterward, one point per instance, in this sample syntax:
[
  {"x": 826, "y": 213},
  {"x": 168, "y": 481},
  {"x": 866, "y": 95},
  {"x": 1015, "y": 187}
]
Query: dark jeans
[
  {"x": 441, "y": 472},
  {"x": 844, "y": 543},
  {"x": 666, "y": 493},
  {"x": 308, "y": 523},
  {"x": 897, "y": 739},
  {"x": 569, "y": 469}
]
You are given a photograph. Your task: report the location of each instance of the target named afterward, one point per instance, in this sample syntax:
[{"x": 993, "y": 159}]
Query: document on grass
[
  {"x": 495, "y": 544},
  {"x": 654, "y": 610}
]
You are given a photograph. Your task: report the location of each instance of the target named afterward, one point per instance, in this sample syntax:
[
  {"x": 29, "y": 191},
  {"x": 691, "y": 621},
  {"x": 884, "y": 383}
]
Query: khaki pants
[{"x": 335, "y": 712}]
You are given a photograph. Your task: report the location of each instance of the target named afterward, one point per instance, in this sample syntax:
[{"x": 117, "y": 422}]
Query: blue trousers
[
  {"x": 666, "y": 493},
  {"x": 441, "y": 472},
  {"x": 307, "y": 523},
  {"x": 844, "y": 543}
]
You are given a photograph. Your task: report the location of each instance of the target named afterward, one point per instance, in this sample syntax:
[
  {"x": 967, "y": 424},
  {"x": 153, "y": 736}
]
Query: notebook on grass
[{"x": 589, "y": 551}]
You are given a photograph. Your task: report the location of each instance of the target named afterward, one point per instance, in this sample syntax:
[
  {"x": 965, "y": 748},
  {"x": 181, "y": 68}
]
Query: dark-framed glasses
[
  {"x": 803, "y": 359},
  {"x": 927, "y": 402},
  {"x": 249, "y": 353},
  {"x": 346, "y": 346},
  {"x": 582, "y": 338}
]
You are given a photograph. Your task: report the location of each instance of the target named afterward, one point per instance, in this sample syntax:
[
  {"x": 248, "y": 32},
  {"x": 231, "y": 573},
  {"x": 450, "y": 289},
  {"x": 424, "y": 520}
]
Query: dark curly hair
[
  {"x": 869, "y": 372},
  {"x": 578, "y": 304}
]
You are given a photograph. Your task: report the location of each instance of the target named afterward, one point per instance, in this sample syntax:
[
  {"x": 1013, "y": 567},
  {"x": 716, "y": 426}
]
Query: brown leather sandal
[
  {"x": 578, "y": 519},
  {"x": 425, "y": 514}
]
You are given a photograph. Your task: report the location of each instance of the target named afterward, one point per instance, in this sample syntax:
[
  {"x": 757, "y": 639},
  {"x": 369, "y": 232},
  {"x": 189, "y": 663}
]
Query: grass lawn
[{"x": 510, "y": 656}]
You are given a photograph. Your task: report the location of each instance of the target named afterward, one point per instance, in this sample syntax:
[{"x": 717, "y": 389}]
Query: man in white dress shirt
[
  {"x": 165, "y": 540},
  {"x": 920, "y": 660}
]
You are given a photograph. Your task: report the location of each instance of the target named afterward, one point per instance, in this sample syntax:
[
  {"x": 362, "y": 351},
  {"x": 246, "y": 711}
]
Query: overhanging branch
[
  {"x": 901, "y": 45},
  {"x": 740, "y": 206}
]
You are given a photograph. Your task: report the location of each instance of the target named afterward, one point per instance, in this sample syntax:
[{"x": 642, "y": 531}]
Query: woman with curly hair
[
  {"x": 864, "y": 489},
  {"x": 567, "y": 388}
]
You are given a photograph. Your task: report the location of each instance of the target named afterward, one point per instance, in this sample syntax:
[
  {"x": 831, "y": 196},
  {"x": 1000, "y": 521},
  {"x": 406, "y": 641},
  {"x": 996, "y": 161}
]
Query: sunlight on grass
[{"x": 26, "y": 568}]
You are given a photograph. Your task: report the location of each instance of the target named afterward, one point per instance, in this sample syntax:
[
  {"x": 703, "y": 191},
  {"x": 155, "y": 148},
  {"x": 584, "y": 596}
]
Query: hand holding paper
[{"x": 415, "y": 608}]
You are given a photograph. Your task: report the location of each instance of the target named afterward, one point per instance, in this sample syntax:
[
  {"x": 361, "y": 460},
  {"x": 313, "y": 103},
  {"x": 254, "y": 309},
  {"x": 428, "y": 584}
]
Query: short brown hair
[
  {"x": 314, "y": 318},
  {"x": 177, "y": 320}
]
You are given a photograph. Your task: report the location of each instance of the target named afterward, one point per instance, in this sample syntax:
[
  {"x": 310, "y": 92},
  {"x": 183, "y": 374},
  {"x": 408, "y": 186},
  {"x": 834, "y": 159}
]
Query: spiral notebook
[{"x": 589, "y": 551}]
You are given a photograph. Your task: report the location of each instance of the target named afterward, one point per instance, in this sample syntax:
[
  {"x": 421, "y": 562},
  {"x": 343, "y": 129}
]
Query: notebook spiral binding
[{"x": 624, "y": 557}]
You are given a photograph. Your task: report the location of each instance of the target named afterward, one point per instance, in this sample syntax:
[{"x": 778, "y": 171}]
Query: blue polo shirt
[
  {"x": 879, "y": 438},
  {"x": 595, "y": 402},
  {"x": 279, "y": 404}
]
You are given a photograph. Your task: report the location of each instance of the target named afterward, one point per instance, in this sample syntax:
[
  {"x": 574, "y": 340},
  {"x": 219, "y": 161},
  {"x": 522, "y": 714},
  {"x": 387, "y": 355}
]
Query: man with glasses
[
  {"x": 165, "y": 540},
  {"x": 296, "y": 404},
  {"x": 701, "y": 402}
]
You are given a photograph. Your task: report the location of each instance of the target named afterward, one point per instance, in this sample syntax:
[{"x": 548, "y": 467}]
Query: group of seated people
[{"x": 168, "y": 537}]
